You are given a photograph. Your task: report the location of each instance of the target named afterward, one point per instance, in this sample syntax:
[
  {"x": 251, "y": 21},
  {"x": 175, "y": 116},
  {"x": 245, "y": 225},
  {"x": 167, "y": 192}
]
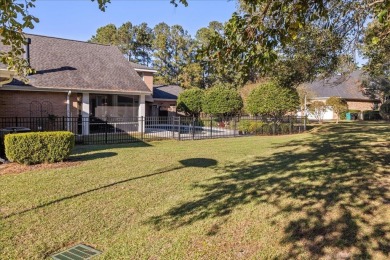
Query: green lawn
[{"x": 324, "y": 194}]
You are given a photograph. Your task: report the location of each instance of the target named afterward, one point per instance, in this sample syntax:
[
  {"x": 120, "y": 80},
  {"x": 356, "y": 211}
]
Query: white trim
[
  {"x": 141, "y": 113},
  {"x": 147, "y": 70},
  {"x": 97, "y": 91},
  {"x": 85, "y": 110}
]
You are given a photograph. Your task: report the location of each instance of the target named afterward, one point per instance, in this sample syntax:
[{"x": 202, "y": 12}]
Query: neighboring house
[
  {"x": 76, "y": 79},
  {"x": 164, "y": 100},
  {"x": 349, "y": 87}
]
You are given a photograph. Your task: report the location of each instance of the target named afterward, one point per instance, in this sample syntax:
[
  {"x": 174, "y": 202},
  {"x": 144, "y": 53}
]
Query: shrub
[
  {"x": 2, "y": 151},
  {"x": 222, "y": 101},
  {"x": 190, "y": 101},
  {"x": 318, "y": 109},
  {"x": 338, "y": 106},
  {"x": 38, "y": 147},
  {"x": 272, "y": 100},
  {"x": 244, "y": 126},
  {"x": 285, "y": 128},
  {"x": 371, "y": 115},
  {"x": 384, "y": 110}
]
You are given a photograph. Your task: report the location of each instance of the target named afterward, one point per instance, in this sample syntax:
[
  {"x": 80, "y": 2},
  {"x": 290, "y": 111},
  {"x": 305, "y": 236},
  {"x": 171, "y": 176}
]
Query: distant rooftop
[
  {"x": 166, "y": 91},
  {"x": 348, "y": 86}
]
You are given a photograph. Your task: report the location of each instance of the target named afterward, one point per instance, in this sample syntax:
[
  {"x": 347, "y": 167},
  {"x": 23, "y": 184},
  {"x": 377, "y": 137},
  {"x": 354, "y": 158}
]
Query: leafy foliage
[
  {"x": 287, "y": 32},
  {"x": 222, "y": 101},
  {"x": 385, "y": 110},
  {"x": 318, "y": 109},
  {"x": 271, "y": 99},
  {"x": 338, "y": 106},
  {"x": 14, "y": 17},
  {"x": 39, "y": 147},
  {"x": 135, "y": 41},
  {"x": 172, "y": 51},
  {"x": 190, "y": 101}
]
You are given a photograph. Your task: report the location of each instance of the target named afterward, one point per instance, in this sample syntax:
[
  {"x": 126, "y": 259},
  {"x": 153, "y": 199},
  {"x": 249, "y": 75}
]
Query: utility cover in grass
[{"x": 78, "y": 252}]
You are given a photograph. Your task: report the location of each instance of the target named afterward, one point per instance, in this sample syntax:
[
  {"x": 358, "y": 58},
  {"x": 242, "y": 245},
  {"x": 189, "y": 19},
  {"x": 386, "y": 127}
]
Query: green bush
[
  {"x": 244, "y": 126},
  {"x": 371, "y": 115},
  {"x": 221, "y": 101},
  {"x": 190, "y": 101},
  {"x": 38, "y": 147},
  {"x": 250, "y": 126},
  {"x": 270, "y": 99},
  {"x": 285, "y": 128}
]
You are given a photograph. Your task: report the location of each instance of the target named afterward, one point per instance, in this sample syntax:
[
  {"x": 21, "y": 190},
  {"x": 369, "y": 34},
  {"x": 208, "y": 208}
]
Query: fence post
[
  {"x": 179, "y": 128},
  {"x": 304, "y": 123},
  {"x": 106, "y": 131},
  {"x": 63, "y": 123},
  {"x": 173, "y": 126},
  {"x": 234, "y": 126},
  {"x": 211, "y": 126},
  {"x": 193, "y": 127},
  {"x": 142, "y": 127}
]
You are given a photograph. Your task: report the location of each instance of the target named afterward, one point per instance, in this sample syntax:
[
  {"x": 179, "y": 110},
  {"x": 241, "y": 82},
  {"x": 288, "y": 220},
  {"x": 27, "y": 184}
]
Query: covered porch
[{"x": 103, "y": 106}]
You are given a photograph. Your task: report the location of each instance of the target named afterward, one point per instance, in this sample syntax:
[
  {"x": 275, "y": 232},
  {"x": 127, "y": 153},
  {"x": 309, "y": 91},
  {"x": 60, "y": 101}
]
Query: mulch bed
[{"x": 15, "y": 168}]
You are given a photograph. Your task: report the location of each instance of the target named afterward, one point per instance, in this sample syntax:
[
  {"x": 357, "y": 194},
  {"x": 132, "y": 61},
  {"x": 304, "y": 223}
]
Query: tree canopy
[{"x": 263, "y": 38}]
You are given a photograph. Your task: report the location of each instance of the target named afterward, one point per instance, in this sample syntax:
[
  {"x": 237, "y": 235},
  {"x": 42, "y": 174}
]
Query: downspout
[{"x": 68, "y": 109}]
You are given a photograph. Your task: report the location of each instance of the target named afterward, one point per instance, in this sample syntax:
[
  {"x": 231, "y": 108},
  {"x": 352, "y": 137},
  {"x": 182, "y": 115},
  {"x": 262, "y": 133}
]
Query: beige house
[{"x": 348, "y": 87}]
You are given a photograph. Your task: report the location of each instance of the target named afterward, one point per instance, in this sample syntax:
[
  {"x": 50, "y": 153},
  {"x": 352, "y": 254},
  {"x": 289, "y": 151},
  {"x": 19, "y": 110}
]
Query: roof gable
[
  {"x": 343, "y": 86},
  {"x": 76, "y": 65}
]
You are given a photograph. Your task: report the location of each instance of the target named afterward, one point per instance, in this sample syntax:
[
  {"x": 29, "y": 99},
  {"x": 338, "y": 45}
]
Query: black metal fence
[{"x": 136, "y": 129}]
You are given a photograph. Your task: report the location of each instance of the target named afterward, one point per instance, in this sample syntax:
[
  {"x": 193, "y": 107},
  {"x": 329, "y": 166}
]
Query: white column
[
  {"x": 85, "y": 113},
  {"x": 141, "y": 113}
]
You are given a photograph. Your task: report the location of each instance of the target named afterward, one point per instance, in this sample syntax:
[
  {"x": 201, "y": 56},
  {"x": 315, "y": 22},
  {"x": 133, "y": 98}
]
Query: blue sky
[{"x": 79, "y": 19}]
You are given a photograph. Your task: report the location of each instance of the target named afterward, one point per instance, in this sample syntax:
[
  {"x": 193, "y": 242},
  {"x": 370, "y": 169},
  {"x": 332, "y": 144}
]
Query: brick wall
[
  {"x": 360, "y": 105},
  {"x": 148, "y": 79},
  {"x": 25, "y": 103}
]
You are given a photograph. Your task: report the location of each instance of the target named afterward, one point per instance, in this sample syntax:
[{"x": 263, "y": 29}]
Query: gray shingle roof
[
  {"x": 76, "y": 65},
  {"x": 166, "y": 91},
  {"x": 347, "y": 87}
]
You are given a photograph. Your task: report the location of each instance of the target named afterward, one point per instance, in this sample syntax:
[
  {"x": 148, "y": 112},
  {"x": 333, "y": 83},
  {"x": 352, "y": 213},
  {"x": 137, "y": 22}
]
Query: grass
[{"x": 323, "y": 194}]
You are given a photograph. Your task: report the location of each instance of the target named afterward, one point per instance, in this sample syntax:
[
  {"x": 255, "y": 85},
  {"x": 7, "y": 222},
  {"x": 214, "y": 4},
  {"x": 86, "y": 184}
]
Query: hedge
[
  {"x": 261, "y": 128},
  {"x": 38, "y": 147}
]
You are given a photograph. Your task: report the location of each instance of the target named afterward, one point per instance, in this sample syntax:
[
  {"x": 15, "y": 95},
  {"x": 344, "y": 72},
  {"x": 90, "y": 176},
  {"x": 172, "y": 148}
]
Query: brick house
[
  {"x": 163, "y": 100},
  {"x": 349, "y": 87},
  {"x": 75, "y": 79}
]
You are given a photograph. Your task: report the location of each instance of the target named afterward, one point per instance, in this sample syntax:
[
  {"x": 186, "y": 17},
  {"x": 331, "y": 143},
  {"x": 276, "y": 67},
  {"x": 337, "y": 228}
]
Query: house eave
[
  {"x": 146, "y": 70},
  {"x": 165, "y": 99},
  {"x": 66, "y": 90}
]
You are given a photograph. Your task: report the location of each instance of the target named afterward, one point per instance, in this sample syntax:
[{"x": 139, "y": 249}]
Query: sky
[{"x": 79, "y": 19}]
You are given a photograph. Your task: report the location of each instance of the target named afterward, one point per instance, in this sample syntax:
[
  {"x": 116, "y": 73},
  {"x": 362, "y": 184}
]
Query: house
[
  {"x": 76, "y": 79},
  {"x": 348, "y": 87},
  {"x": 163, "y": 100}
]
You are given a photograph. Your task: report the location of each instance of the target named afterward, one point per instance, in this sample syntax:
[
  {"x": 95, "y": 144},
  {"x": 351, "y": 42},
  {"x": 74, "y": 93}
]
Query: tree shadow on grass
[
  {"x": 330, "y": 187},
  {"x": 190, "y": 162}
]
